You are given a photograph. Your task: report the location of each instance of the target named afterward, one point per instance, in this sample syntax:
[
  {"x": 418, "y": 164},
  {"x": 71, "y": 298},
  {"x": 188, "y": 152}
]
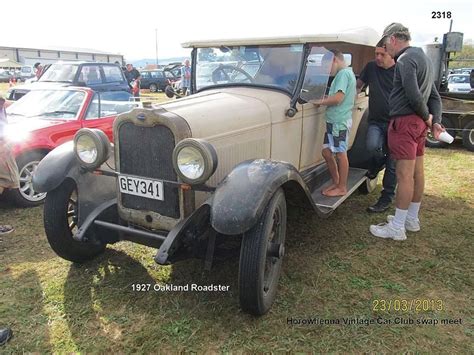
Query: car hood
[
  {"x": 30, "y": 124},
  {"x": 213, "y": 113}
]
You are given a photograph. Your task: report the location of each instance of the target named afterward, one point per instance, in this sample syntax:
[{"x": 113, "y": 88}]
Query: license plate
[{"x": 141, "y": 187}]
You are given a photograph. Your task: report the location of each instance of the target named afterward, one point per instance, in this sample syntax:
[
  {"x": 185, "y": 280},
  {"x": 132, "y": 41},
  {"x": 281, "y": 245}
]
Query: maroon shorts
[{"x": 406, "y": 137}]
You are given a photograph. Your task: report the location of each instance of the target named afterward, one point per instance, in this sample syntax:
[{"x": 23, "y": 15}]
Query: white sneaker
[
  {"x": 411, "y": 225},
  {"x": 388, "y": 231}
]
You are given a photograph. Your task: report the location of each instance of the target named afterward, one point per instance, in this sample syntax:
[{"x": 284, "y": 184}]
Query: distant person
[
  {"x": 133, "y": 78},
  {"x": 38, "y": 70},
  {"x": 186, "y": 77},
  {"x": 378, "y": 75},
  {"x": 415, "y": 107},
  {"x": 340, "y": 102},
  {"x": 9, "y": 177}
]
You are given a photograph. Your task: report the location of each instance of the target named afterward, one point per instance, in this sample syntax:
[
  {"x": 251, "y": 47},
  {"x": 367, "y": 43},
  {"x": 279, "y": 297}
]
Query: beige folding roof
[{"x": 366, "y": 36}]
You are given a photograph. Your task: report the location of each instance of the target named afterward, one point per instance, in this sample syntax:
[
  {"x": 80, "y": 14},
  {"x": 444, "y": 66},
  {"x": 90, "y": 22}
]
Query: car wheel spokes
[
  {"x": 71, "y": 213},
  {"x": 26, "y": 184},
  {"x": 273, "y": 245}
]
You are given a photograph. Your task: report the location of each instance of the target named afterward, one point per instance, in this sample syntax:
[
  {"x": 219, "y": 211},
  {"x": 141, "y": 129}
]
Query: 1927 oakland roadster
[{"x": 221, "y": 162}]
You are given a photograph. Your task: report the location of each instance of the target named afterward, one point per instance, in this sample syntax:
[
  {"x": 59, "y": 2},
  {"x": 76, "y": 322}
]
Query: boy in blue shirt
[{"x": 339, "y": 102}]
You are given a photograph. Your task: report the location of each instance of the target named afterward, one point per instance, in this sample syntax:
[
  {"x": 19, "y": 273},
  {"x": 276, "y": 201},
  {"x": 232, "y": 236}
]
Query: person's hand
[
  {"x": 436, "y": 130},
  {"x": 317, "y": 103},
  {"x": 429, "y": 121}
]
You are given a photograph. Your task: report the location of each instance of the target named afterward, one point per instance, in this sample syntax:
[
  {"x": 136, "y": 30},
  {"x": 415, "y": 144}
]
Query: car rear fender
[{"x": 240, "y": 199}]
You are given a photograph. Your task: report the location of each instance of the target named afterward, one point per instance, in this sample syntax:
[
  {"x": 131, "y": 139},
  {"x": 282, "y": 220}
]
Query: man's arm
[
  {"x": 412, "y": 91},
  {"x": 360, "y": 84},
  {"x": 434, "y": 104}
]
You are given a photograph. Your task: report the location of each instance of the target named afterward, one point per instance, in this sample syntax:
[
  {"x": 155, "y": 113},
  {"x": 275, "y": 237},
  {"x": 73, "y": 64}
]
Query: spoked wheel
[
  {"x": 261, "y": 257},
  {"x": 60, "y": 223},
  {"x": 26, "y": 196}
]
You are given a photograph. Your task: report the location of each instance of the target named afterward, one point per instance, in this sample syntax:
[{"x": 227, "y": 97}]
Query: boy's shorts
[
  {"x": 407, "y": 137},
  {"x": 337, "y": 143}
]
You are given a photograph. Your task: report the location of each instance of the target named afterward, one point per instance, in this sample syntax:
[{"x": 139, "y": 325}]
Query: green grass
[{"x": 333, "y": 269}]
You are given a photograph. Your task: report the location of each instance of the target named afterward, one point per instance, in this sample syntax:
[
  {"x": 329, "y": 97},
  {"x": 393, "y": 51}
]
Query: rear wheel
[
  {"x": 261, "y": 257},
  {"x": 468, "y": 136},
  {"x": 26, "y": 196},
  {"x": 153, "y": 88},
  {"x": 60, "y": 222}
]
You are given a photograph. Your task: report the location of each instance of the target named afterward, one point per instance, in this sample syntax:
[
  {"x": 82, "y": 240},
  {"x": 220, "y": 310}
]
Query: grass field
[{"x": 333, "y": 270}]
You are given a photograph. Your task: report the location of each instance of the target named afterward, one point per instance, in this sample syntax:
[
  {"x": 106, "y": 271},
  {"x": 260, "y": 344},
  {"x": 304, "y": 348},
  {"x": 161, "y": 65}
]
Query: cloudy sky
[{"x": 129, "y": 27}]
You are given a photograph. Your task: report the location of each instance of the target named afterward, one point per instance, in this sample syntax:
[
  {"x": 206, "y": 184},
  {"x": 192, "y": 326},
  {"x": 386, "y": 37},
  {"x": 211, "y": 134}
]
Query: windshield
[
  {"x": 277, "y": 66},
  {"x": 60, "y": 72},
  {"x": 49, "y": 104},
  {"x": 459, "y": 79}
]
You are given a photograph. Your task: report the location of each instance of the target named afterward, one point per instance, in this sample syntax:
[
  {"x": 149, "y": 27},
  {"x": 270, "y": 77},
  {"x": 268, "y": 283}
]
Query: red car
[{"x": 43, "y": 119}]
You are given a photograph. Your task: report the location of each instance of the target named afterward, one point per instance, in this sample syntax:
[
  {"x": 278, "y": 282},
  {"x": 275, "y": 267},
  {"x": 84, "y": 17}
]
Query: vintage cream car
[{"x": 221, "y": 162}]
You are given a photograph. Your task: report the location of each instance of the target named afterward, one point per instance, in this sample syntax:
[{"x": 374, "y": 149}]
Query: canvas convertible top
[{"x": 364, "y": 36}]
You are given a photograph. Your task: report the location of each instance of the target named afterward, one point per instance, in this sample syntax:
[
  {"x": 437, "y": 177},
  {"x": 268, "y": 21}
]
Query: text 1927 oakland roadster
[{"x": 221, "y": 162}]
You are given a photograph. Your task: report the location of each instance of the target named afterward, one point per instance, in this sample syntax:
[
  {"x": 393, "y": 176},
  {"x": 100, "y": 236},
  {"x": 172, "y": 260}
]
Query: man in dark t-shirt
[
  {"x": 133, "y": 78},
  {"x": 378, "y": 75}
]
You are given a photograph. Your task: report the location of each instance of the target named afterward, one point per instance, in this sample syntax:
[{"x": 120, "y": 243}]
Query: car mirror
[{"x": 81, "y": 83}]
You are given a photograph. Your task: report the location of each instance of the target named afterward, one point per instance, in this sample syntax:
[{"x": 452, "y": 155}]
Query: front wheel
[
  {"x": 261, "y": 257},
  {"x": 60, "y": 222}
]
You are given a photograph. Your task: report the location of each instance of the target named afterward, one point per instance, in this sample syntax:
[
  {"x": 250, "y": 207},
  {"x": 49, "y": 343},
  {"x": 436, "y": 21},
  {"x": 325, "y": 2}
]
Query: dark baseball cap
[{"x": 396, "y": 29}]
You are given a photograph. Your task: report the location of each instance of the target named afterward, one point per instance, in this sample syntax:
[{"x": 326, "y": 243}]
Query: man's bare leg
[{"x": 332, "y": 167}]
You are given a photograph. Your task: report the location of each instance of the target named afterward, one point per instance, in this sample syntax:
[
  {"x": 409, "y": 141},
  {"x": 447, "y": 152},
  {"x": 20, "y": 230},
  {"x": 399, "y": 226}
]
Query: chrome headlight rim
[
  {"x": 208, "y": 154},
  {"x": 101, "y": 142}
]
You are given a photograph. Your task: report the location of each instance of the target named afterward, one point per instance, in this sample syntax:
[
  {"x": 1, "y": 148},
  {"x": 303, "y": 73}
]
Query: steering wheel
[{"x": 219, "y": 73}]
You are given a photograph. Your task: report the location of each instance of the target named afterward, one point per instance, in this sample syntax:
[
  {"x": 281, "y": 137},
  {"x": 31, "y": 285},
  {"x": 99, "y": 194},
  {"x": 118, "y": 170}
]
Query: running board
[{"x": 355, "y": 179}]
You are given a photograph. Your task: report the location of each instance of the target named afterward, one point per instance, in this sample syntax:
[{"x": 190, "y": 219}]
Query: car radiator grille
[{"x": 148, "y": 152}]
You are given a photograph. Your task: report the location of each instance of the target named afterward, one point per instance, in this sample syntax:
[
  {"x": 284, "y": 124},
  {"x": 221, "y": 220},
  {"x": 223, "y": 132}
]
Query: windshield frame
[{"x": 294, "y": 94}]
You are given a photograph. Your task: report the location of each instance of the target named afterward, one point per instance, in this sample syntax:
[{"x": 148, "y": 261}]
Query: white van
[{"x": 27, "y": 72}]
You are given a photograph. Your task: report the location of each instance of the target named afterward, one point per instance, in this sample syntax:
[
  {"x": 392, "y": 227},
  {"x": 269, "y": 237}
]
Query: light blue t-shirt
[{"x": 340, "y": 115}]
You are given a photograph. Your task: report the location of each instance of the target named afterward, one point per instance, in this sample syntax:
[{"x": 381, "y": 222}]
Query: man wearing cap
[{"x": 415, "y": 106}]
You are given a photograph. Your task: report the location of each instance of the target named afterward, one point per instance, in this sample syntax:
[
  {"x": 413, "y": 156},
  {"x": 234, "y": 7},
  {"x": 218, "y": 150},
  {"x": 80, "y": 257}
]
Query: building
[{"x": 29, "y": 56}]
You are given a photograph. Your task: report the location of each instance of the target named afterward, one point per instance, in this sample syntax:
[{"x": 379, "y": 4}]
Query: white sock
[
  {"x": 400, "y": 217},
  {"x": 413, "y": 210}
]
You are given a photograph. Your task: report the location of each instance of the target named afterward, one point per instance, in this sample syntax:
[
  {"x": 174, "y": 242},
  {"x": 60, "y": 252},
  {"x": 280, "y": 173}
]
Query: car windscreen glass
[
  {"x": 318, "y": 69},
  {"x": 60, "y": 72},
  {"x": 49, "y": 104},
  {"x": 458, "y": 79},
  {"x": 111, "y": 103},
  {"x": 277, "y": 66}
]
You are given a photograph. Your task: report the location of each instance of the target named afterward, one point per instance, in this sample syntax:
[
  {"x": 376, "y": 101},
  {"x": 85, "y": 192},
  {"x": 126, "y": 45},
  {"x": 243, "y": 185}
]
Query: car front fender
[
  {"x": 240, "y": 199},
  {"x": 54, "y": 168}
]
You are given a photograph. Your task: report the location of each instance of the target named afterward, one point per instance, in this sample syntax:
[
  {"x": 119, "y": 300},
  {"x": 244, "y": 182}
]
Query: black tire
[
  {"x": 153, "y": 88},
  {"x": 468, "y": 136},
  {"x": 26, "y": 196},
  {"x": 259, "y": 273},
  {"x": 60, "y": 218},
  {"x": 368, "y": 185},
  {"x": 434, "y": 143}
]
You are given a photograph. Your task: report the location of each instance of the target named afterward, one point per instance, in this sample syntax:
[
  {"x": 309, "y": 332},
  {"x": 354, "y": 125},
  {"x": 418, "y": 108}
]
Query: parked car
[
  {"x": 156, "y": 80},
  {"x": 98, "y": 76},
  {"x": 225, "y": 162},
  {"x": 459, "y": 83},
  {"x": 44, "y": 119},
  {"x": 5, "y": 76}
]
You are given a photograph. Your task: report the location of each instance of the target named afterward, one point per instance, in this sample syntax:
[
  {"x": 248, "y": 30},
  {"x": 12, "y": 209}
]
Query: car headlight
[
  {"x": 92, "y": 147},
  {"x": 194, "y": 160}
]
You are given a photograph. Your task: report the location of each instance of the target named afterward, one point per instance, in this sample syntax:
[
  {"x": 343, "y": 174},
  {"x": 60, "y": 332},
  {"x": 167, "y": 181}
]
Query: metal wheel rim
[
  {"x": 471, "y": 136},
  {"x": 72, "y": 215},
  {"x": 272, "y": 264},
  {"x": 430, "y": 138},
  {"x": 26, "y": 183},
  {"x": 153, "y": 88}
]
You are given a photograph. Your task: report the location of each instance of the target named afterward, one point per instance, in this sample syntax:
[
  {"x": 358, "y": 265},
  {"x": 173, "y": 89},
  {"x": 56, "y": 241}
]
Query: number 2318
[{"x": 439, "y": 14}]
